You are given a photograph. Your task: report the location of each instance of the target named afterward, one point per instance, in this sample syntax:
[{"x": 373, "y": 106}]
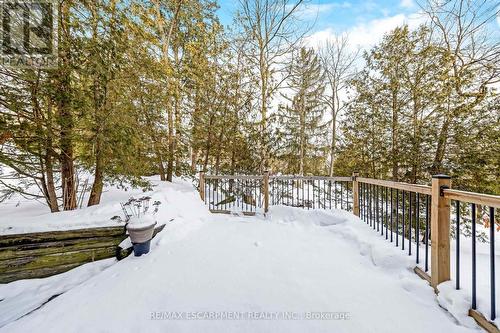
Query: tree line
[{"x": 161, "y": 87}]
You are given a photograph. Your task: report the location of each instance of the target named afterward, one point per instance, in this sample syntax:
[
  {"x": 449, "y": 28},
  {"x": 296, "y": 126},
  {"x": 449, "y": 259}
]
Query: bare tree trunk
[
  {"x": 95, "y": 193},
  {"x": 416, "y": 141},
  {"x": 49, "y": 164},
  {"x": 51, "y": 188},
  {"x": 333, "y": 143},
  {"x": 302, "y": 142},
  {"x": 263, "y": 114},
  {"x": 208, "y": 143},
  {"x": 166, "y": 38},
  {"x": 194, "y": 157},
  {"x": 65, "y": 117},
  {"x": 395, "y": 143},
  {"x": 437, "y": 163}
]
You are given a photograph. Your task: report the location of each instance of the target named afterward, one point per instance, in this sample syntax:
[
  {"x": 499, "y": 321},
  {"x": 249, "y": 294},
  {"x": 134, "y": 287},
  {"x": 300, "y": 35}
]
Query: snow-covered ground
[
  {"x": 292, "y": 271},
  {"x": 20, "y": 215}
]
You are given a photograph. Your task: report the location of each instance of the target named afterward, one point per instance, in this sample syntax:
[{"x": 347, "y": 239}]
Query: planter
[{"x": 140, "y": 236}]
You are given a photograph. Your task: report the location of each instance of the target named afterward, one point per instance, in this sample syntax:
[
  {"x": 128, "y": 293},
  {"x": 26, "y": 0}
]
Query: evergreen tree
[{"x": 301, "y": 119}]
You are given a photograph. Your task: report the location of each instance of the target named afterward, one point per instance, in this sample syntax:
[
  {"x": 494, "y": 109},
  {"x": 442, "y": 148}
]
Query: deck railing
[
  {"x": 466, "y": 204},
  {"x": 414, "y": 217},
  {"x": 400, "y": 211},
  {"x": 251, "y": 194}
]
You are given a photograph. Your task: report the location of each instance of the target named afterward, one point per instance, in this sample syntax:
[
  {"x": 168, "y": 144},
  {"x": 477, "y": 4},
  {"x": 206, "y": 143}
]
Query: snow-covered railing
[
  {"x": 251, "y": 194},
  {"x": 469, "y": 204},
  {"x": 230, "y": 193},
  {"x": 417, "y": 218},
  {"x": 418, "y": 215},
  {"x": 402, "y": 209},
  {"x": 310, "y": 192}
]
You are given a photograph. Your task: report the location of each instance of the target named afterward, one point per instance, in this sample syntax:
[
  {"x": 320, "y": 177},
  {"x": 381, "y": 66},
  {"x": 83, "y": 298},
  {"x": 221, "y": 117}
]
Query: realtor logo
[{"x": 28, "y": 33}]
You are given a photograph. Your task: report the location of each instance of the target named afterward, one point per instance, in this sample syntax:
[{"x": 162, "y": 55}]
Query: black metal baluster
[
  {"x": 372, "y": 203},
  {"x": 229, "y": 190},
  {"x": 254, "y": 201},
  {"x": 330, "y": 193},
  {"x": 379, "y": 199},
  {"x": 417, "y": 227},
  {"x": 257, "y": 193},
  {"x": 250, "y": 196},
  {"x": 325, "y": 197},
  {"x": 298, "y": 196},
  {"x": 362, "y": 186},
  {"x": 457, "y": 253},
  {"x": 314, "y": 193},
  {"x": 386, "y": 213},
  {"x": 409, "y": 223},
  {"x": 282, "y": 192},
  {"x": 403, "y": 222},
  {"x": 361, "y": 208},
  {"x": 208, "y": 194},
  {"x": 216, "y": 182},
  {"x": 308, "y": 190},
  {"x": 303, "y": 196},
  {"x": 260, "y": 193},
  {"x": 224, "y": 183},
  {"x": 288, "y": 192},
  {"x": 397, "y": 217},
  {"x": 350, "y": 198},
  {"x": 335, "y": 193},
  {"x": 376, "y": 207},
  {"x": 426, "y": 233},
  {"x": 341, "y": 196},
  {"x": 246, "y": 189},
  {"x": 370, "y": 198},
  {"x": 364, "y": 202},
  {"x": 365, "y": 187},
  {"x": 374, "y": 219},
  {"x": 474, "y": 299},
  {"x": 382, "y": 211},
  {"x": 391, "y": 214},
  {"x": 256, "y": 190},
  {"x": 492, "y": 265},
  {"x": 367, "y": 209}
]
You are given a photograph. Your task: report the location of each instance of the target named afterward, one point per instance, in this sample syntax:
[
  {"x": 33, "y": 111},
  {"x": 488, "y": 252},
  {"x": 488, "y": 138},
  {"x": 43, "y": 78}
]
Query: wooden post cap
[{"x": 441, "y": 176}]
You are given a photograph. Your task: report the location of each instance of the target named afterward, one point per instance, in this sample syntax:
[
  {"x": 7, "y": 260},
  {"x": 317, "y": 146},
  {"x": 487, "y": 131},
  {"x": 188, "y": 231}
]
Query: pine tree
[{"x": 301, "y": 119}]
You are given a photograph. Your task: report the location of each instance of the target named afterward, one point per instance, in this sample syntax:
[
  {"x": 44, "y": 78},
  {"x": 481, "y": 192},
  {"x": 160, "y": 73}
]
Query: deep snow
[{"x": 289, "y": 263}]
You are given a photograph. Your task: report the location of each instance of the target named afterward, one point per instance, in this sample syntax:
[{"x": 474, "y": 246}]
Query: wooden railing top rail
[
  {"x": 333, "y": 179},
  {"x": 472, "y": 197},
  {"x": 423, "y": 189},
  {"x": 233, "y": 177},
  {"x": 248, "y": 177}
]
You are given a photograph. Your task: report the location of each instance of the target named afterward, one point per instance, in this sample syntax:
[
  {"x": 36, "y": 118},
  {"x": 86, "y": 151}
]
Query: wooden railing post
[
  {"x": 440, "y": 230},
  {"x": 266, "y": 191},
  {"x": 355, "y": 193},
  {"x": 202, "y": 186}
]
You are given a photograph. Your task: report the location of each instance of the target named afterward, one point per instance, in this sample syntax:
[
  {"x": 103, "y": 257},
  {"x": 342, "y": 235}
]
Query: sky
[{"x": 364, "y": 21}]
